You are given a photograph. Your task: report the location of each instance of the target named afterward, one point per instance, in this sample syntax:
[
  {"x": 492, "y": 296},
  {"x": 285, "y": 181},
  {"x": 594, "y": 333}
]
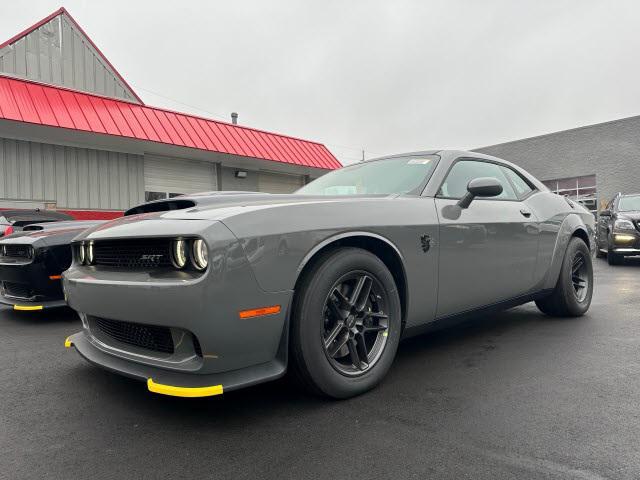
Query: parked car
[
  {"x": 373, "y": 252},
  {"x": 618, "y": 232},
  {"x": 15, "y": 220},
  {"x": 32, "y": 260}
]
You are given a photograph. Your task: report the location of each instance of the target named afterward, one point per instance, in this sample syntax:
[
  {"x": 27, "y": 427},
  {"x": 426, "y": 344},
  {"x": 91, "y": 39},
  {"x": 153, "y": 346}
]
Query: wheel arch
[
  {"x": 376, "y": 244},
  {"x": 581, "y": 232},
  {"x": 572, "y": 226}
]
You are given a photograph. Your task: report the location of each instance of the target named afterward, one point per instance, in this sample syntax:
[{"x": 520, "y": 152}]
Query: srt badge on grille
[{"x": 151, "y": 258}]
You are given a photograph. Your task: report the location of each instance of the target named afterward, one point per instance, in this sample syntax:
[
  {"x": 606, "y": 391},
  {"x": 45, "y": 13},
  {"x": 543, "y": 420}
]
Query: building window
[
  {"x": 150, "y": 196},
  {"x": 581, "y": 189}
]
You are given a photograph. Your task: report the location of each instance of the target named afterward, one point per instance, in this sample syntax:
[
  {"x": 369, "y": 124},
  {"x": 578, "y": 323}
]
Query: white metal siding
[
  {"x": 58, "y": 53},
  {"x": 177, "y": 175},
  {"x": 278, "y": 182},
  {"x": 72, "y": 177}
]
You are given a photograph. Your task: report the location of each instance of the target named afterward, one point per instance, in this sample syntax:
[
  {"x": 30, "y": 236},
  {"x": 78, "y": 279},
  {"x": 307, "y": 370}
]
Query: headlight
[
  {"x": 81, "y": 253},
  {"x": 90, "y": 253},
  {"x": 200, "y": 255},
  {"x": 623, "y": 225},
  {"x": 179, "y": 253}
]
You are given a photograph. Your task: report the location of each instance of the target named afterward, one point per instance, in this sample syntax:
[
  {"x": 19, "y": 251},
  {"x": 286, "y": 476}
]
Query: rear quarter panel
[{"x": 558, "y": 222}]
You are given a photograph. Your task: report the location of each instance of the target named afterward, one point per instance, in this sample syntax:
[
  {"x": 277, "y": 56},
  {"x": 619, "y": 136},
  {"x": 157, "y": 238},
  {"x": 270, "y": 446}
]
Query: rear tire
[
  {"x": 344, "y": 337},
  {"x": 572, "y": 294}
]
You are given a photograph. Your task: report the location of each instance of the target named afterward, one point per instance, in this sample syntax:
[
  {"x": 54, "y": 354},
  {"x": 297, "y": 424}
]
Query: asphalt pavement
[{"x": 515, "y": 395}]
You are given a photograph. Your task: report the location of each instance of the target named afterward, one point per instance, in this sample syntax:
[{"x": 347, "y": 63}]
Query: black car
[
  {"x": 32, "y": 262},
  {"x": 618, "y": 234},
  {"x": 15, "y": 220}
]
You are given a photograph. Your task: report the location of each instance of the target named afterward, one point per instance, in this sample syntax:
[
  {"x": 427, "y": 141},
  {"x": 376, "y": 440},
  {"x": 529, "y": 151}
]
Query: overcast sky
[{"x": 383, "y": 76}]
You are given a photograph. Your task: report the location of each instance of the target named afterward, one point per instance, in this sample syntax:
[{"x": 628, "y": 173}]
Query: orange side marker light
[
  {"x": 55, "y": 277},
  {"x": 259, "y": 312}
]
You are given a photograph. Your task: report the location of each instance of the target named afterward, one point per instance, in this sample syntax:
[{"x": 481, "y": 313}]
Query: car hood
[
  {"x": 239, "y": 204},
  {"x": 45, "y": 238},
  {"x": 224, "y": 207}
]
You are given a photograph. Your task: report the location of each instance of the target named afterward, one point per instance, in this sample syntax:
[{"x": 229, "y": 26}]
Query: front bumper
[
  {"x": 173, "y": 383},
  {"x": 233, "y": 351},
  {"x": 34, "y": 277},
  {"x": 625, "y": 243}
]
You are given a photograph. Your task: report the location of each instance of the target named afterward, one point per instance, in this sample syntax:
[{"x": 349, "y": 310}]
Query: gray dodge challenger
[{"x": 324, "y": 282}]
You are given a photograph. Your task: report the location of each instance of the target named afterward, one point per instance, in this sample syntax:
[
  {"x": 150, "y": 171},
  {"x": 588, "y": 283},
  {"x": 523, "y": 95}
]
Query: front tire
[
  {"x": 572, "y": 294},
  {"x": 346, "y": 324}
]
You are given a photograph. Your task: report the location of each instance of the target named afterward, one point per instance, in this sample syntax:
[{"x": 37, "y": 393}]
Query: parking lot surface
[{"x": 516, "y": 395}]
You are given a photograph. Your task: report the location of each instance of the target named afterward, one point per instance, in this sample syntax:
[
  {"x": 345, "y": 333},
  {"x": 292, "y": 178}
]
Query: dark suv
[{"x": 618, "y": 231}]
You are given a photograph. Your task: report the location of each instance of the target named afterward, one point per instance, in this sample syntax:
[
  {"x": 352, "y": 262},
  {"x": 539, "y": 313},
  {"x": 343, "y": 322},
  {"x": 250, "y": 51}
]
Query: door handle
[{"x": 525, "y": 212}]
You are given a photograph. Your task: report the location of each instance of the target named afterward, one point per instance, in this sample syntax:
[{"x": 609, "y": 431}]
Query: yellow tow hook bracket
[
  {"x": 190, "y": 392},
  {"x": 67, "y": 342}
]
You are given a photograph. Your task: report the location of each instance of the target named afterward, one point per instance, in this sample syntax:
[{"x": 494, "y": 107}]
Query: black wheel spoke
[
  {"x": 375, "y": 328},
  {"x": 360, "y": 301},
  {"x": 333, "y": 334},
  {"x": 353, "y": 353},
  {"x": 344, "y": 301},
  {"x": 361, "y": 348},
  {"x": 580, "y": 276},
  {"x": 335, "y": 309},
  {"x": 578, "y": 263},
  {"x": 377, "y": 315},
  {"x": 337, "y": 345}
]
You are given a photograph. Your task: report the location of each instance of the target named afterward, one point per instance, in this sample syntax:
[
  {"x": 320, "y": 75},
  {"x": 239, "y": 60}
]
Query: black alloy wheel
[
  {"x": 355, "y": 323},
  {"x": 345, "y": 324},
  {"x": 580, "y": 276}
]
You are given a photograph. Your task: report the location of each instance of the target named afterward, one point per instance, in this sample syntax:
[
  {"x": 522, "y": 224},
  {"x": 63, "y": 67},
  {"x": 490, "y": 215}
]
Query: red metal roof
[
  {"x": 40, "y": 104},
  {"x": 61, "y": 11}
]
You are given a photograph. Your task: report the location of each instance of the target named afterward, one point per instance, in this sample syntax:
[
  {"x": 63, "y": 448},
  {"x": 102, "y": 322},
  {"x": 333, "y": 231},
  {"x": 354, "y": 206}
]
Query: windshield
[
  {"x": 628, "y": 204},
  {"x": 387, "y": 176}
]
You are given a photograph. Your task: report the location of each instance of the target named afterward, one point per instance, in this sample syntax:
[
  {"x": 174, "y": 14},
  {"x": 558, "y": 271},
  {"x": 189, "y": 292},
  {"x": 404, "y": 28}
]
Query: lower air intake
[{"x": 151, "y": 337}]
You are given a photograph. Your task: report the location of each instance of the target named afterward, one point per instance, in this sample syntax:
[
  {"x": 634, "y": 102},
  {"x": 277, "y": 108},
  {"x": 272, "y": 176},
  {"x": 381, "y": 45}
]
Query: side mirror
[
  {"x": 480, "y": 187},
  {"x": 605, "y": 213}
]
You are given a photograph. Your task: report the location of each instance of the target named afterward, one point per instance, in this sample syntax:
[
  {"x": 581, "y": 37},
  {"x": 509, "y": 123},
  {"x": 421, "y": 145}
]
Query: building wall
[
  {"x": 228, "y": 180},
  {"x": 609, "y": 150},
  {"x": 69, "y": 176},
  {"x": 58, "y": 53}
]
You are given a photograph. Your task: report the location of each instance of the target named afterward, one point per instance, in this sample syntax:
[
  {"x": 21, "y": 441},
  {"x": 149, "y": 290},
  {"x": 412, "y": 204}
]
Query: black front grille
[
  {"x": 151, "y": 337},
  {"x": 17, "y": 290},
  {"x": 133, "y": 254},
  {"x": 16, "y": 251}
]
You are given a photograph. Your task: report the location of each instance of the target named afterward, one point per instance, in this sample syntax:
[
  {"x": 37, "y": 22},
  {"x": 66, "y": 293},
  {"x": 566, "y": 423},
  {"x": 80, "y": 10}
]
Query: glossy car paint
[{"x": 490, "y": 255}]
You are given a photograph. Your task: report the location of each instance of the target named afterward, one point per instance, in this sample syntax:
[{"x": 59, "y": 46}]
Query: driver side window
[{"x": 463, "y": 171}]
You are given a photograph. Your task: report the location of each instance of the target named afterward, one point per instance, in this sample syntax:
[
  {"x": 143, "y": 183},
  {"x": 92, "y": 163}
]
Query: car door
[{"x": 488, "y": 251}]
